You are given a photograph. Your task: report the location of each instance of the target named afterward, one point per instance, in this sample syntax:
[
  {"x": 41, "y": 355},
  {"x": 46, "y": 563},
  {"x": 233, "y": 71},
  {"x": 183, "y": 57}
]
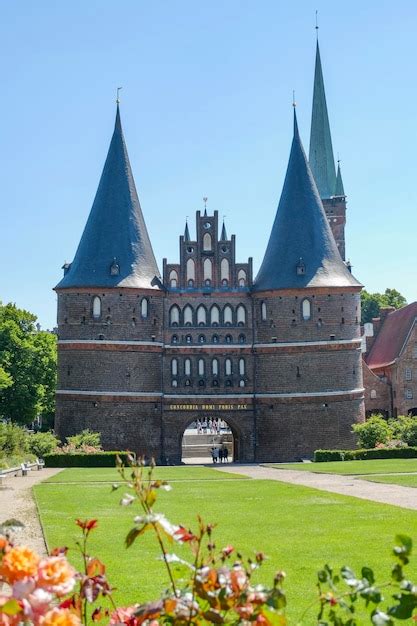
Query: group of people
[
  {"x": 220, "y": 455},
  {"x": 212, "y": 426}
]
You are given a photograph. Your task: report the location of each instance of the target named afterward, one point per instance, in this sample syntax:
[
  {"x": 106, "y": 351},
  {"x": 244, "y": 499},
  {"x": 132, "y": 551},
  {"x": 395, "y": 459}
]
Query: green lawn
[
  {"x": 406, "y": 480},
  {"x": 299, "y": 528},
  {"x": 379, "y": 466},
  {"x": 110, "y": 474}
]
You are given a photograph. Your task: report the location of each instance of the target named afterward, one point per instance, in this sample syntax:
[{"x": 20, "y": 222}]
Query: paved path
[
  {"x": 397, "y": 495},
  {"x": 16, "y": 502}
]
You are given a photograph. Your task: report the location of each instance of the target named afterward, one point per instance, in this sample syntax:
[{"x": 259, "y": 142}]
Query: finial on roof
[
  {"x": 205, "y": 206},
  {"x": 293, "y": 99},
  {"x": 317, "y": 25},
  {"x": 223, "y": 236},
  {"x": 186, "y": 231},
  {"x": 117, "y": 96},
  {"x": 339, "y": 189}
]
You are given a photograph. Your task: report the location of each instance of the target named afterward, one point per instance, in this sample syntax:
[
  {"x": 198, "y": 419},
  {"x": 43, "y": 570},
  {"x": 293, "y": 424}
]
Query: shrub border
[{"x": 324, "y": 456}]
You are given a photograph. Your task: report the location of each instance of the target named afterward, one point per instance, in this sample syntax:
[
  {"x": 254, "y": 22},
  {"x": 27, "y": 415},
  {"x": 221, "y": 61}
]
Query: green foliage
[
  {"x": 323, "y": 456},
  {"x": 14, "y": 440},
  {"x": 28, "y": 358},
  {"x": 98, "y": 459},
  {"x": 371, "y": 303},
  {"x": 85, "y": 438},
  {"x": 42, "y": 443},
  {"x": 375, "y": 430},
  {"x": 5, "y": 379},
  {"x": 405, "y": 429}
]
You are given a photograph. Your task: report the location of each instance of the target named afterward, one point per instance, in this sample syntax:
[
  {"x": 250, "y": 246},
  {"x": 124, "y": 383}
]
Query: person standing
[
  {"x": 225, "y": 453},
  {"x": 220, "y": 455}
]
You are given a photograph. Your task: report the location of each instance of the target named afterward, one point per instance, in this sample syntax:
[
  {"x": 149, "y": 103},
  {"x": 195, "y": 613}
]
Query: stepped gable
[
  {"x": 115, "y": 250},
  {"x": 391, "y": 338},
  {"x": 301, "y": 251},
  {"x": 321, "y": 157}
]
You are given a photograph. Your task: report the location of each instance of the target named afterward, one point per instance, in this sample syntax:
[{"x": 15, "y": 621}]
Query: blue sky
[{"x": 206, "y": 111}]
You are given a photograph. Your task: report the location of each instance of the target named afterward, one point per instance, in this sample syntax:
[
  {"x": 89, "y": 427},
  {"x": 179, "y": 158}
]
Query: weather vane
[
  {"x": 205, "y": 203},
  {"x": 117, "y": 97},
  {"x": 293, "y": 99},
  {"x": 317, "y": 25}
]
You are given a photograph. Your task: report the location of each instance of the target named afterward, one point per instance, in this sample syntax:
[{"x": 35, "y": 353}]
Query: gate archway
[{"x": 209, "y": 440}]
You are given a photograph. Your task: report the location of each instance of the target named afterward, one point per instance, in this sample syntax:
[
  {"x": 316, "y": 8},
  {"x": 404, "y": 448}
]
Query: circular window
[
  {"x": 190, "y": 249},
  {"x": 225, "y": 249},
  {"x": 207, "y": 225}
]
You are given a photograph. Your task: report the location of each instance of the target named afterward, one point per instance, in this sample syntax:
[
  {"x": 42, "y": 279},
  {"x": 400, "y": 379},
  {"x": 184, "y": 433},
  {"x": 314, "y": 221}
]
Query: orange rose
[
  {"x": 20, "y": 562},
  {"x": 56, "y": 574},
  {"x": 60, "y": 617}
]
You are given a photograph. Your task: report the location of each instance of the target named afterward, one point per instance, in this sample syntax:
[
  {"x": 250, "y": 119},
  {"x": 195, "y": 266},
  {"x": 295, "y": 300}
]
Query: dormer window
[
  {"x": 300, "y": 268},
  {"x": 114, "y": 268}
]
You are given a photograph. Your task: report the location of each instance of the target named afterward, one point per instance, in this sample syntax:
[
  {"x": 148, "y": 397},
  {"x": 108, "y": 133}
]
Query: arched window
[
  {"x": 227, "y": 315},
  {"x": 215, "y": 339},
  {"x": 215, "y": 315},
  {"x": 306, "y": 309},
  {"x": 174, "y": 339},
  {"x": 229, "y": 339},
  {"x": 241, "y": 315},
  {"x": 207, "y": 242},
  {"x": 215, "y": 367},
  {"x": 188, "y": 315},
  {"x": 174, "y": 367},
  {"x": 241, "y": 383},
  {"x": 173, "y": 279},
  {"x": 373, "y": 394},
  {"x": 201, "y": 367},
  {"x": 175, "y": 383},
  {"x": 201, "y": 339},
  {"x": 242, "y": 338},
  {"x": 188, "y": 339},
  {"x": 144, "y": 307},
  {"x": 174, "y": 316},
  {"x": 201, "y": 316},
  {"x": 207, "y": 269},
  {"x": 241, "y": 278},
  {"x": 190, "y": 270},
  {"x": 263, "y": 311},
  {"x": 187, "y": 367},
  {"x": 228, "y": 367},
  {"x": 224, "y": 270},
  {"x": 242, "y": 367},
  {"x": 96, "y": 308}
]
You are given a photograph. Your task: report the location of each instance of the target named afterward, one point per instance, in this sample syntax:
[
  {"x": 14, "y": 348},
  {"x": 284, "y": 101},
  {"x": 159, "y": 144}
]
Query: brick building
[
  {"x": 143, "y": 354},
  {"x": 390, "y": 369}
]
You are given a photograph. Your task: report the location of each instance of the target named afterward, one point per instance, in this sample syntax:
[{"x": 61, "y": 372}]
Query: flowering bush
[{"x": 213, "y": 587}]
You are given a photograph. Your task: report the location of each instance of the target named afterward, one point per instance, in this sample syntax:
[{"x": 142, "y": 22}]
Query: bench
[
  {"x": 23, "y": 469},
  {"x": 8, "y": 472}
]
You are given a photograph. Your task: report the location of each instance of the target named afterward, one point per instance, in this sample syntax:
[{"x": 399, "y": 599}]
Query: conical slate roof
[
  {"x": 339, "y": 191},
  {"x": 223, "y": 236},
  {"x": 115, "y": 250},
  {"x": 186, "y": 232},
  {"x": 321, "y": 150},
  {"x": 301, "y": 251}
]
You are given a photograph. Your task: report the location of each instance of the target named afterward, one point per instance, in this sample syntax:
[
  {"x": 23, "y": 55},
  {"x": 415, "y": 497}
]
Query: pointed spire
[
  {"x": 186, "y": 232},
  {"x": 223, "y": 236},
  {"x": 321, "y": 151},
  {"x": 115, "y": 250},
  {"x": 339, "y": 191},
  {"x": 301, "y": 251}
]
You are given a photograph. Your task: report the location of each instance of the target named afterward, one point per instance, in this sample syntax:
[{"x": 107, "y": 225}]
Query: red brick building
[{"x": 143, "y": 354}]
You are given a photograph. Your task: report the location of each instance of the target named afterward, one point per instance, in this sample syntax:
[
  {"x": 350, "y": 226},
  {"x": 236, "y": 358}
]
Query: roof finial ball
[
  {"x": 317, "y": 24},
  {"x": 117, "y": 96}
]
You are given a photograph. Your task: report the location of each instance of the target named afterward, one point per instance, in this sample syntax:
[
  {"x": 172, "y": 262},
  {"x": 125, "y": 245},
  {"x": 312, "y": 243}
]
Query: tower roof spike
[
  {"x": 186, "y": 231},
  {"x": 223, "y": 236},
  {"x": 339, "y": 189},
  {"x": 301, "y": 251},
  {"x": 115, "y": 229},
  {"x": 321, "y": 157}
]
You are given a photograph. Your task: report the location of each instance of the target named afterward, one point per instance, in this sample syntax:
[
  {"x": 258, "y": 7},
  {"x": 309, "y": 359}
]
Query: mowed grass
[
  {"x": 111, "y": 475},
  {"x": 405, "y": 480},
  {"x": 300, "y": 529},
  {"x": 378, "y": 466}
]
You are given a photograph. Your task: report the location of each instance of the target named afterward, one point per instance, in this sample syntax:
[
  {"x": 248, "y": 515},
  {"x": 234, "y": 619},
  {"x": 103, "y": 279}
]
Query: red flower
[
  {"x": 87, "y": 524},
  {"x": 182, "y": 535},
  {"x": 227, "y": 551}
]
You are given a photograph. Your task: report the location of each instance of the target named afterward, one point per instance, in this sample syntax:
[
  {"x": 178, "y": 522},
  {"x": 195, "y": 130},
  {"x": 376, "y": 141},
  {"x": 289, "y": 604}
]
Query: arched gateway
[
  {"x": 141, "y": 354},
  {"x": 209, "y": 440}
]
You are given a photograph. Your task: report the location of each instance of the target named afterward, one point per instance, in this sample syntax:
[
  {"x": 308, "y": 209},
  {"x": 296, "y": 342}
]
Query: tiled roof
[
  {"x": 391, "y": 337},
  {"x": 301, "y": 251},
  {"x": 115, "y": 250}
]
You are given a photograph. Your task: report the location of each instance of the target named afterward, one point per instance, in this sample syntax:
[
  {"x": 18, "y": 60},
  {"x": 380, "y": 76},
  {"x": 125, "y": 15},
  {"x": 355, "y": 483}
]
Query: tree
[
  {"x": 373, "y": 431},
  {"x": 28, "y": 358},
  {"x": 371, "y": 303},
  {"x": 5, "y": 379}
]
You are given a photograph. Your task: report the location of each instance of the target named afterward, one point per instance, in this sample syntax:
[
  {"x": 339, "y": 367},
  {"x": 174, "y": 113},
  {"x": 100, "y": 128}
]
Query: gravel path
[
  {"x": 397, "y": 495},
  {"x": 16, "y": 502}
]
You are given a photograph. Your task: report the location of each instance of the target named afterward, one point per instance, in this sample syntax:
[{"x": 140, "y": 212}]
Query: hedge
[
  {"x": 97, "y": 459},
  {"x": 323, "y": 456}
]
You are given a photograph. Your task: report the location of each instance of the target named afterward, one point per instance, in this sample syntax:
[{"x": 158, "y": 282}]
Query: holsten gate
[{"x": 142, "y": 354}]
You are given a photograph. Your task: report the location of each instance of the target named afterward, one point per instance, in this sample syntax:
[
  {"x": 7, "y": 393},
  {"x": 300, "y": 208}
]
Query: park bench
[
  {"x": 23, "y": 469},
  {"x": 10, "y": 471}
]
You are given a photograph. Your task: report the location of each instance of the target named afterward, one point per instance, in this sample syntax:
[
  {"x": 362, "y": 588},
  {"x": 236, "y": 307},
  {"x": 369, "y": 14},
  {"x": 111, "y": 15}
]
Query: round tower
[
  {"x": 110, "y": 320},
  {"x": 309, "y": 388}
]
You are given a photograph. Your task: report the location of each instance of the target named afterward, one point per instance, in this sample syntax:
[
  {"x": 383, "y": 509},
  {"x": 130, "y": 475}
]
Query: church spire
[
  {"x": 321, "y": 151},
  {"x": 115, "y": 250},
  {"x": 339, "y": 191},
  {"x": 301, "y": 251}
]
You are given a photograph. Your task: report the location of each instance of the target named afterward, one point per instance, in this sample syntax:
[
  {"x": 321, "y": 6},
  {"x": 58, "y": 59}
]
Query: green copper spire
[
  {"x": 339, "y": 191},
  {"x": 321, "y": 152}
]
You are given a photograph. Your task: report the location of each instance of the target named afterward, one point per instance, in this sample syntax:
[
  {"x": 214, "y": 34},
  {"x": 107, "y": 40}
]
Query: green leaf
[
  {"x": 11, "y": 607},
  {"x": 406, "y": 544},
  {"x": 397, "y": 573},
  {"x": 368, "y": 574},
  {"x": 404, "y": 609}
]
